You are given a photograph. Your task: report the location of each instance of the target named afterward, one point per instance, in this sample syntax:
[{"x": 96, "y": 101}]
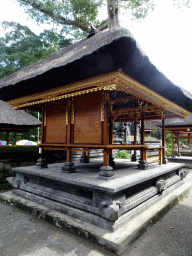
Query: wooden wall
[
  {"x": 87, "y": 118},
  {"x": 56, "y": 122}
]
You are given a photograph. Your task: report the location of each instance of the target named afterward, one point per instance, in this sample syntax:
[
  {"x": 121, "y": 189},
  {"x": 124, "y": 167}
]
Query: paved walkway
[{"x": 22, "y": 234}]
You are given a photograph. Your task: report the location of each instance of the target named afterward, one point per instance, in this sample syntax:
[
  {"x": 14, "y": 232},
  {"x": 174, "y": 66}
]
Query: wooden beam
[{"x": 163, "y": 140}]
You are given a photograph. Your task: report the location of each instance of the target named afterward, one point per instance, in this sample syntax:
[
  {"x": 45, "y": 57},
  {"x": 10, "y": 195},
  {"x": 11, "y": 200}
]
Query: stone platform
[
  {"x": 112, "y": 213},
  {"x": 187, "y": 160},
  {"x": 108, "y": 204}
]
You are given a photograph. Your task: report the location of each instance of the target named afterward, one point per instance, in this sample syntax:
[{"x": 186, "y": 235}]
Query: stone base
[
  {"x": 111, "y": 160},
  {"x": 165, "y": 161},
  {"x": 84, "y": 159},
  {"x": 118, "y": 241},
  {"x": 108, "y": 203},
  {"x": 133, "y": 158},
  {"x": 187, "y": 160},
  {"x": 106, "y": 172},
  {"x": 69, "y": 167},
  {"x": 42, "y": 163},
  {"x": 142, "y": 165}
]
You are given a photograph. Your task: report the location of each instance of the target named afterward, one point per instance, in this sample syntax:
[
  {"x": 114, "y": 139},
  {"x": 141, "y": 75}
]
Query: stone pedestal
[
  {"x": 111, "y": 160},
  {"x": 133, "y": 158},
  {"x": 84, "y": 159},
  {"x": 106, "y": 172},
  {"x": 42, "y": 163},
  {"x": 142, "y": 165},
  {"x": 165, "y": 160},
  {"x": 68, "y": 167}
]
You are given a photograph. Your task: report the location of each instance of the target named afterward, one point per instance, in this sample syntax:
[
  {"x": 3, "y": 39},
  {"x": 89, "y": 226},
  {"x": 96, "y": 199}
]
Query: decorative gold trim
[
  {"x": 102, "y": 112},
  {"x": 45, "y": 118},
  {"x": 113, "y": 81},
  {"x": 67, "y": 115},
  {"x": 72, "y": 111}
]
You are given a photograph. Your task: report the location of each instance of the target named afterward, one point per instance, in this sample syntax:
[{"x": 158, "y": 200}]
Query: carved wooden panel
[
  {"x": 56, "y": 122},
  {"x": 87, "y": 122}
]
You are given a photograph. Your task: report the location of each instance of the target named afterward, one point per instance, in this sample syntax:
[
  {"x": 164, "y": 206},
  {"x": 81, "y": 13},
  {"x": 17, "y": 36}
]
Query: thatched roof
[
  {"x": 151, "y": 124},
  {"x": 10, "y": 118},
  {"x": 177, "y": 122},
  {"x": 105, "y": 52}
]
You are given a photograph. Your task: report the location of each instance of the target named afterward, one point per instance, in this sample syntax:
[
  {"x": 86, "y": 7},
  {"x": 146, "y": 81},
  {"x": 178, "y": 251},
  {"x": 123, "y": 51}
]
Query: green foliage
[
  {"x": 156, "y": 133},
  {"x": 123, "y": 154},
  {"x": 182, "y": 4},
  {"x": 75, "y": 14},
  {"x": 21, "y": 47},
  {"x": 68, "y": 13},
  {"x": 168, "y": 136},
  {"x": 139, "y": 9},
  {"x": 5, "y": 149}
]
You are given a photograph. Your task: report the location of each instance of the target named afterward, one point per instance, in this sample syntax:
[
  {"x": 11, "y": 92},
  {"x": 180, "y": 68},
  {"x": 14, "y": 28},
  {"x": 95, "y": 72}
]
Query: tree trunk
[{"x": 113, "y": 16}]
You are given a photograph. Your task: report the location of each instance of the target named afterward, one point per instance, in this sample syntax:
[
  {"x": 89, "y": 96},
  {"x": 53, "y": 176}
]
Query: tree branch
[
  {"x": 56, "y": 17},
  {"x": 103, "y": 25}
]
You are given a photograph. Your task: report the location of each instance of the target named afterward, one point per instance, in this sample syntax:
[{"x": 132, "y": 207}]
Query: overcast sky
[{"x": 165, "y": 36}]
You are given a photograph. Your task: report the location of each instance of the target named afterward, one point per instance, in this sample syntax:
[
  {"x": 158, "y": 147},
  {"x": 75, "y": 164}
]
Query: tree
[
  {"x": 76, "y": 14},
  {"x": 21, "y": 47}
]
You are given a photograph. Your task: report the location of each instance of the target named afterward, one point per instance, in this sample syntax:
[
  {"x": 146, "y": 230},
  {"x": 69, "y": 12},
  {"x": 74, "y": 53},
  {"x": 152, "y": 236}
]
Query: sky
[{"x": 165, "y": 36}]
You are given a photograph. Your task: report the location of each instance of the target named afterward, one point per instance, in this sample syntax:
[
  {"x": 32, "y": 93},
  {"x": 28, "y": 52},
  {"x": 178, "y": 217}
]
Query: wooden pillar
[
  {"x": 106, "y": 157},
  {"x": 163, "y": 140},
  {"x": 177, "y": 141},
  {"x": 142, "y": 135},
  {"x": 68, "y": 121},
  {"x": 173, "y": 145},
  {"x": 178, "y": 145},
  {"x": 134, "y": 156},
  {"x": 106, "y": 135},
  {"x": 68, "y": 124},
  {"x": 68, "y": 157},
  {"x": 43, "y": 125},
  {"x": 143, "y": 155},
  {"x": 106, "y": 170},
  {"x": 189, "y": 139},
  {"x": 8, "y": 138},
  {"x": 42, "y": 162},
  {"x": 69, "y": 166}
]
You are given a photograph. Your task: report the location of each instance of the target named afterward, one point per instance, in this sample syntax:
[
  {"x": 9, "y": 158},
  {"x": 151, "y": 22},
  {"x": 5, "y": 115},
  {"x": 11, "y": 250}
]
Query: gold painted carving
[
  {"x": 67, "y": 115},
  {"x": 45, "y": 118},
  {"x": 114, "y": 81},
  {"x": 102, "y": 111},
  {"x": 72, "y": 111}
]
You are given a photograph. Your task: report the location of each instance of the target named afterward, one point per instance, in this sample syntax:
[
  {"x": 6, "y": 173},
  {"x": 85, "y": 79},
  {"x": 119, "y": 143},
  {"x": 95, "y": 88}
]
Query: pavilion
[
  {"x": 81, "y": 90},
  {"x": 181, "y": 128},
  {"x": 178, "y": 127},
  {"x": 12, "y": 120}
]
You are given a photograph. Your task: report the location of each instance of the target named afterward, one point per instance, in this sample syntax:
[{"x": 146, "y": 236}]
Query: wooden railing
[{"x": 89, "y": 147}]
